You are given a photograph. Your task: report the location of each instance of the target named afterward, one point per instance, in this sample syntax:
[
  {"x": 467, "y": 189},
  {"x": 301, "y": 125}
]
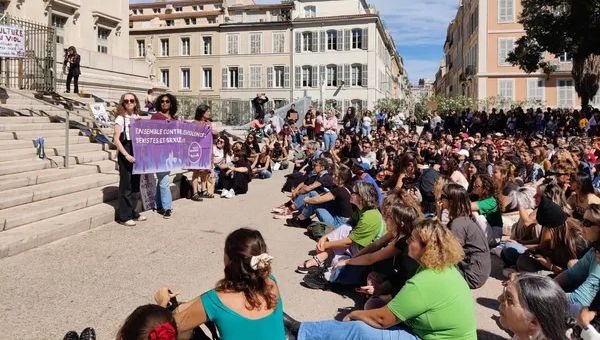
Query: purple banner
[{"x": 160, "y": 146}]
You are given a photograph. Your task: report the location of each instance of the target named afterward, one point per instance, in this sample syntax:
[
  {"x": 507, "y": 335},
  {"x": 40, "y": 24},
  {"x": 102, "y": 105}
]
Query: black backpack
[{"x": 185, "y": 188}]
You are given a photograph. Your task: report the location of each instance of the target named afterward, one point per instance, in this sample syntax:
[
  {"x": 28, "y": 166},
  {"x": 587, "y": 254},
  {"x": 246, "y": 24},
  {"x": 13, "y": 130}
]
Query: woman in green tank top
[{"x": 246, "y": 304}]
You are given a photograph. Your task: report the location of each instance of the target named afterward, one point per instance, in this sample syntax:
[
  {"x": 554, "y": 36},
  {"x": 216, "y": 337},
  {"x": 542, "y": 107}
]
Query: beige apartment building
[
  {"x": 236, "y": 49},
  {"x": 100, "y": 32},
  {"x": 475, "y": 51}
]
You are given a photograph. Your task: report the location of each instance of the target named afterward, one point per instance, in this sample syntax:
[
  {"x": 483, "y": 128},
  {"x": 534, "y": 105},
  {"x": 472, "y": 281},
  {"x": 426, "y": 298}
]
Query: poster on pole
[
  {"x": 160, "y": 146},
  {"x": 12, "y": 42}
]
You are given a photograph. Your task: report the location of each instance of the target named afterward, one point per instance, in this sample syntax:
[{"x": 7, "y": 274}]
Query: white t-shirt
[
  {"x": 219, "y": 156},
  {"x": 124, "y": 123},
  {"x": 366, "y": 121}
]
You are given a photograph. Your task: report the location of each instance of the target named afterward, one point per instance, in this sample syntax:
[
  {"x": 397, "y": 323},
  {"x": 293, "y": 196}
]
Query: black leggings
[
  {"x": 239, "y": 182},
  {"x": 128, "y": 185}
]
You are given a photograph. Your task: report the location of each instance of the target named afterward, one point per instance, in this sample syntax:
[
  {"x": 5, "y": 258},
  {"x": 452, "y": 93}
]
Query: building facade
[
  {"x": 478, "y": 42},
  {"x": 337, "y": 52},
  {"x": 99, "y": 31}
]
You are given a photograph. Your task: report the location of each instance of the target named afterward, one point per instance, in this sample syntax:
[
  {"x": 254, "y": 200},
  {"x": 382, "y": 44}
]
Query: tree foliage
[
  {"x": 556, "y": 27},
  {"x": 393, "y": 105}
]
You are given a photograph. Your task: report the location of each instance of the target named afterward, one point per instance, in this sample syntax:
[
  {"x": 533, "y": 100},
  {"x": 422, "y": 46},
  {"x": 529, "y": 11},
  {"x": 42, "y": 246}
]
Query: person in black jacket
[
  {"x": 259, "y": 104},
  {"x": 72, "y": 60}
]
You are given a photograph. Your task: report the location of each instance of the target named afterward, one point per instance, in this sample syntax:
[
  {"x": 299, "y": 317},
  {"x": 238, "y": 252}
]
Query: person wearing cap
[{"x": 561, "y": 241}]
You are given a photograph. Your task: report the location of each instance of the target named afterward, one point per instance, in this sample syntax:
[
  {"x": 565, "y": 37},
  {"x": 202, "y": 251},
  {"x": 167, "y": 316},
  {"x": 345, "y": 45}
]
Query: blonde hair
[
  {"x": 442, "y": 249},
  {"x": 439, "y": 184}
]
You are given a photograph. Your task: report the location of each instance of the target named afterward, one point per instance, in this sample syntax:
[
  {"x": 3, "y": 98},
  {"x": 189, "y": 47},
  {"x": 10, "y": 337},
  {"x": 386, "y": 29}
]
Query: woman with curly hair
[
  {"x": 246, "y": 303},
  {"x": 485, "y": 200},
  {"x": 435, "y": 303}
]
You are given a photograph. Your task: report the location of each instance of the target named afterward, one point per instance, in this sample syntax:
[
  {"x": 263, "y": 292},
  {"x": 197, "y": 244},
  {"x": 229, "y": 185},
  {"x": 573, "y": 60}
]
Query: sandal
[
  {"x": 197, "y": 197},
  {"x": 305, "y": 270},
  {"x": 207, "y": 194}
]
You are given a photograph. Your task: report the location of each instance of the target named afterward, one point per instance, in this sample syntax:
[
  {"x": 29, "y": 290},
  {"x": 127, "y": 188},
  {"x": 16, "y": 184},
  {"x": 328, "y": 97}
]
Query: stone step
[
  {"x": 13, "y": 217},
  {"x": 87, "y": 157},
  {"x": 45, "y": 133},
  {"x": 76, "y": 148},
  {"x": 13, "y": 144},
  {"x": 60, "y": 141},
  {"x": 33, "y": 235},
  {"x": 27, "y": 178},
  {"x": 31, "y": 106},
  {"x": 7, "y": 136},
  {"x": 35, "y": 193},
  {"x": 31, "y": 127},
  {"x": 106, "y": 166},
  {"x": 18, "y": 154},
  {"x": 23, "y": 119},
  {"x": 15, "y": 167}
]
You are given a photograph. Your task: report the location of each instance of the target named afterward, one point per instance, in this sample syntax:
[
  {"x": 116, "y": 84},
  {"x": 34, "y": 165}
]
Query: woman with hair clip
[
  {"x": 149, "y": 322},
  {"x": 534, "y": 307},
  {"x": 246, "y": 303},
  {"x": 166, "y": 106},
  {"x": 129, "y": 106},
  {"x": 202, "y": 118},
  {"x": 476, "y": 266},
  {"x": 434, "y": 304}
]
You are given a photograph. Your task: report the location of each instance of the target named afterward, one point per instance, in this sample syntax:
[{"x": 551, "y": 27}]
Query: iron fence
[{"x": 37, "y": 69}]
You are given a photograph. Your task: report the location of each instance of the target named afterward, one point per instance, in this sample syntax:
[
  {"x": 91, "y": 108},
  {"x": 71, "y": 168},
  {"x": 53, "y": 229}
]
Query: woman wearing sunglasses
[
  {"x": 166, "y": 105},
  {"x": 129, "y": 106}
]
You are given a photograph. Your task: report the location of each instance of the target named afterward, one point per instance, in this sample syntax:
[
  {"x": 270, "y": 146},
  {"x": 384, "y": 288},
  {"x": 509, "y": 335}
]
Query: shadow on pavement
[
  {"x": 485, "y": 335},
  {"x": 489, "y": 303}
]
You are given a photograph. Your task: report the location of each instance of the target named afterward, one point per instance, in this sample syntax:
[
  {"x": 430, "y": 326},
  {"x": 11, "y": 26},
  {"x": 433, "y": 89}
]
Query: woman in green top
[
  {"x": 436, "y": 303},
  {"x": 486, "y": 203},
  {"x": 246, "y": 304}
]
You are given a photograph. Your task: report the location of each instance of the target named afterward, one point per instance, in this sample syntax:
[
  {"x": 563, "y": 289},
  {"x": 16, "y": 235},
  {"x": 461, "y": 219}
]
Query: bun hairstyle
[
  {"x": 248, "y": 269},
  {"x": 149, "y": 322}
]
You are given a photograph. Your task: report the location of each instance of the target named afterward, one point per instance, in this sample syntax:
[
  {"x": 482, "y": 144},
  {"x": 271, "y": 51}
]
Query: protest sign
[
  {"x": 12, "y": 42},
  {"x": 100, "y": 113},
  {"x": 160, "y": 146}
]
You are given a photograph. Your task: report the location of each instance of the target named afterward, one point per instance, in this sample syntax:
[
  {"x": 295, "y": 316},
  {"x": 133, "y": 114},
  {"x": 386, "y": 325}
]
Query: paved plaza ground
[{"x": 97, "y": 278}]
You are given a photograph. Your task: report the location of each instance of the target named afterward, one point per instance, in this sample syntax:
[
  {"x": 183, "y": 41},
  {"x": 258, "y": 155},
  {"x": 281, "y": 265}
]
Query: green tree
[{"x": 557, "y": 27}]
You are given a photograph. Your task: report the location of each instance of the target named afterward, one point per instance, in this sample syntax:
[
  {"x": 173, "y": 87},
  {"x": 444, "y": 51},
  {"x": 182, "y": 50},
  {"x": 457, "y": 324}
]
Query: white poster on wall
[{"x": 12, "y": 42}]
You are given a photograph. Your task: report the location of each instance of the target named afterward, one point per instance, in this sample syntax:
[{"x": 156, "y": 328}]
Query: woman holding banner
[
  {"x": 166, "y": 106},
  {"x": 202, "y": 118},
  {"x": 129, "y": 106}
]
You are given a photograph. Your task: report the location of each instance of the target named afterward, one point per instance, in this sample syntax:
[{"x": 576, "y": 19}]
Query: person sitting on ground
[
  {"x": 534, "y": 307},
  {"x": 237, "y": 176},
  {"x": 222, "y": 159},
  {"x": 388, "y": 256},
  {"x": 246, "y": 303},
  {"x": 279, "y": 156},
  {"x": 202, "y": 118},
  {"x": 359, "y": 170},
  {"x": 332, "y": 207},
  {"x": 435, "y": 303},
  {"x": 583, "y": 194},
  {"x": 261, "y": 167},
  {"x": 149, "y": 322},
  {"x": 364, "y": 227},
  {"x": 250, "y": 146},
  {"x": 487, "y": 205},
  {"x": 476, "y": 265}
]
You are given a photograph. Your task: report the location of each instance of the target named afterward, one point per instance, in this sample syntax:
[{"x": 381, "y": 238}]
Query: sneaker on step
[
  {"x": 129, "y": 223},
  {"x": 167, "y": 214},
  {"x": 231, "y": 194},
  {"x": 287, "y": 213},
  {"x": 224, "y": 193},
  {"x": 141, "y": 218}
]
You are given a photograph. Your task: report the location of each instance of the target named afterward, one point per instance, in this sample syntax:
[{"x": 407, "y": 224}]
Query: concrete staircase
[{"x": 40, "y": 200}]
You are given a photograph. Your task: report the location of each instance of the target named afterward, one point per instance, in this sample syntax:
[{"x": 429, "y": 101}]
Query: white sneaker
[
  {"x": 224, "y": 193},
  {"x": 231, "y": 194}
]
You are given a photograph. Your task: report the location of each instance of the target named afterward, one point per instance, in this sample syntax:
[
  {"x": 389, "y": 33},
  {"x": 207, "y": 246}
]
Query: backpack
[
  {"x": 316, "y": 230},
  {"x": 185, "y": 188}
]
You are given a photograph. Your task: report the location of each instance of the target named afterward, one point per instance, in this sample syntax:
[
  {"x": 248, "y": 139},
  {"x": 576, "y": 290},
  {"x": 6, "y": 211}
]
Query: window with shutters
[
  {"x": 332, "y": 40},
  {"x": 332, "y": 75},
  {"x": 565, "y": 93},
  {"x": 164, "y": 47},
  {"x": 306, "y": 76},
  {"x": 156, "y": 10},
  {"x": 233, "y": 43},
  {"x": 506, "y": 89},
  {"x": 141, "y": 48},
  {"x": 164, "y": 77},
  {"x": 103, "y": 35},
  {"x": 170, "y": 22},
  {"x": 356, "y": 75},
  {"x": 59, "y": 22},
  {"x": 190, "y": 21},
  {"x": 505, "y": 46},
  {"x": 310, "y": 11},
  {"x": 278, "y": 42},
  {"x": 185, "y": 46},
  {"x": 535, "y": 90},
  {"x": 207, "y": 42},
  {"x": 357, "y": 38},
  {"x": 178, "y": 9},
  {"x": 255, "y": 43},
  {"x": 307, "y": 41},
  {"x": 207, "y": 78},
  {"x": 506, "y": 11},
  {"x": 233, "y": 77},
  {"x": 255, "y": 76},
  {"x": 185, "y": 78},
  {"x": 279, "y": 76}
]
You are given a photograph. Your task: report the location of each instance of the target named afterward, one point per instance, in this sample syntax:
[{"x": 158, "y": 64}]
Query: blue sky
[{"x": 419, "y": 29}]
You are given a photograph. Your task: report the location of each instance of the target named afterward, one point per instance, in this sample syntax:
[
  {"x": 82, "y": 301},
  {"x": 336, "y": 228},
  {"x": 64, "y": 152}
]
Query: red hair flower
[{"x": 164, "y": 331}]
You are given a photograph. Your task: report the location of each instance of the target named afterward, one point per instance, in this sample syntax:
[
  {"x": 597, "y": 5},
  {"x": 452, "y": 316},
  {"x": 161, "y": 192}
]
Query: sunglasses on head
[{"x": 128, "y": 101}]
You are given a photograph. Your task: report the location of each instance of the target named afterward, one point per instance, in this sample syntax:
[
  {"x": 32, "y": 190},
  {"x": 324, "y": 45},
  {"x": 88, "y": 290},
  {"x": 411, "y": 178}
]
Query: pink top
[{"x": 330, "y": 125}]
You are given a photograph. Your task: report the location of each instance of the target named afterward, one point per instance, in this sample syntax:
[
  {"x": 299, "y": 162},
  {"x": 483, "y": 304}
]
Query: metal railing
[{"x": 37, "y": 69}]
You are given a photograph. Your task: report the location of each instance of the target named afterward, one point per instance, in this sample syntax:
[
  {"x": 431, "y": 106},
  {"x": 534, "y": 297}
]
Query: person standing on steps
[
  {"x": 166, "y": 106},
  {"x": 202, "y": 118},
  {"x": 129, "y": 106},
  {"x": 72, "y": 60}
]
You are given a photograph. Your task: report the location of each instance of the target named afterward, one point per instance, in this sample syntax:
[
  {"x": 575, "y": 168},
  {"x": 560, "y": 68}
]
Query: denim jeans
[
  {"x": 264, "y": 174},
  {"x": 510, "y": 252},
  {"x": 299, "y": 200},
  {"x": 366, "y": 131},
  {"x": 329, "y": 140},
  {"x": 350, "y": 330},
  {"x": 163, "y": 191},
  {"x": 323, "y": 214}
]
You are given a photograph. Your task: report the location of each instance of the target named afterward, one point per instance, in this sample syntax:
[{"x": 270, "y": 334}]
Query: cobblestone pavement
[{"x": 97, "y": 278}]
